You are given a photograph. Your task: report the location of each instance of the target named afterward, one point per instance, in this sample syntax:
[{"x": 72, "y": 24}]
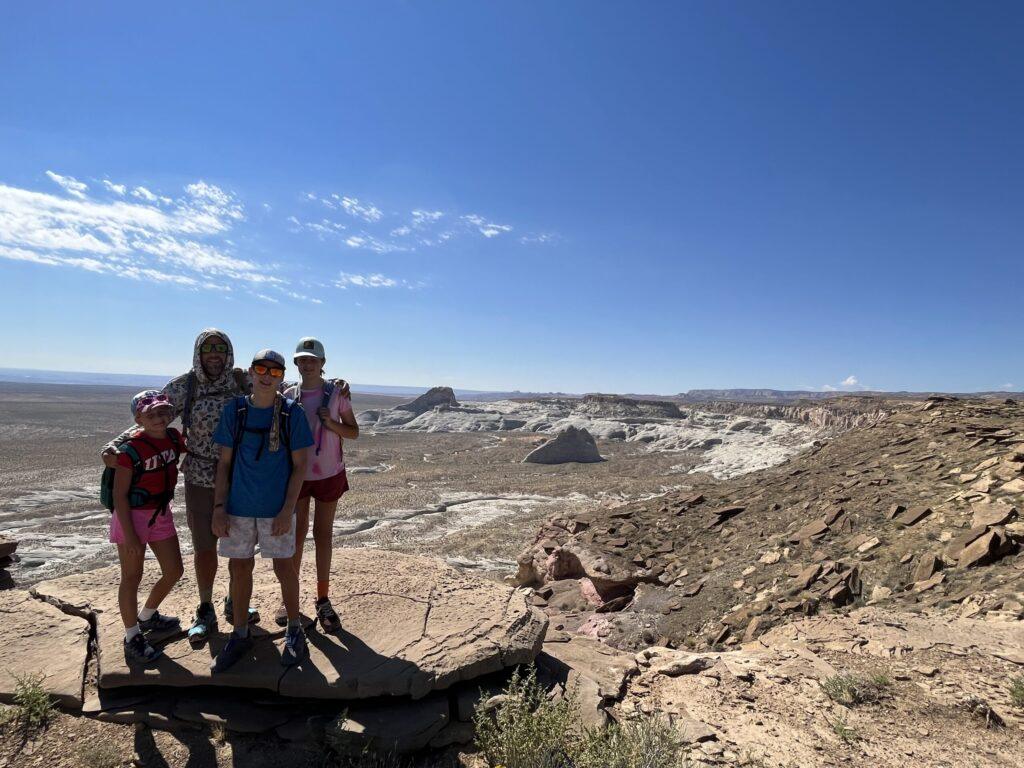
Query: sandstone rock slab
[
  {"x": 37, "y": 638},
  {"x": 410, "y": 625}
]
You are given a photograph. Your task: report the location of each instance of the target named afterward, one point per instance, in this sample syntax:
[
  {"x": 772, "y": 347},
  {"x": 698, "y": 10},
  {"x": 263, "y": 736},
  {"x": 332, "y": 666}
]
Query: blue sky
[{"x": 576, "y": 196}]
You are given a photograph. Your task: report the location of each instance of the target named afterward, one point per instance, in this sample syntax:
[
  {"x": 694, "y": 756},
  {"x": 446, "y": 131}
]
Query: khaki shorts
[
  {"x": 245, "y": 532},
  {"x": 199, "y": 513}
]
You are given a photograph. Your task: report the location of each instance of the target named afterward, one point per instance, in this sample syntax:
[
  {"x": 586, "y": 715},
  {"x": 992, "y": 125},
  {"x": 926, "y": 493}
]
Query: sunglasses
[
  {"x": 152, "y": 400},
  {"x": 207, "y": 348},
  {"x": 263, "y": 370}
]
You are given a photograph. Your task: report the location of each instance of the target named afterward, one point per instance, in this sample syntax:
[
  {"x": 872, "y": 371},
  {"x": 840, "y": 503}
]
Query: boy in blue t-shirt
[{"x": 264, "y": 440}]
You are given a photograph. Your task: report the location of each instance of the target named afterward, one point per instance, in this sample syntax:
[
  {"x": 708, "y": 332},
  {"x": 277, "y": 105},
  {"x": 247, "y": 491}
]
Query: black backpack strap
[
  {"x": 190, "y": 396},
  {"x": 241, "y": 414},
  {"x": 286, "y": 428}
]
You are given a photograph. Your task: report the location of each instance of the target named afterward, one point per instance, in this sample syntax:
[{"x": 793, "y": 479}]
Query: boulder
[
  {"x": 571, "y": 444},
  {"x": 37, "y": 639},
  {"x": 7, "y": 547},
  {"x": 429, "y": 400},
  {"x": 410, "y": 625}
]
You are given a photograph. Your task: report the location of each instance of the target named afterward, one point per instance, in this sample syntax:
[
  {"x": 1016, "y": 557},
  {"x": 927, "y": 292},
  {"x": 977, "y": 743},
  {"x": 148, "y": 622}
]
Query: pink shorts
[{"x": 162, "y": 528}]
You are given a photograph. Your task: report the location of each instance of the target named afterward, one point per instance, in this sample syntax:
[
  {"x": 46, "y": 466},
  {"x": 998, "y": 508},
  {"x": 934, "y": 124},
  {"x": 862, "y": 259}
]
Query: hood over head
[{"x": 229, "y": 362}]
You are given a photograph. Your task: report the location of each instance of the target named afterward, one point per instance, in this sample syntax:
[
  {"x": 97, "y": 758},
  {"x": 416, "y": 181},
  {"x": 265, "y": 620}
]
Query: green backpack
[{"x": 139, "y": 497}]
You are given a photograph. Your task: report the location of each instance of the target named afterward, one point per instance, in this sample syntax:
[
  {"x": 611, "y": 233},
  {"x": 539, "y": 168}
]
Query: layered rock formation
[
  {"x": 569, "y": 445},
  {"x": 920, "y": 508}
]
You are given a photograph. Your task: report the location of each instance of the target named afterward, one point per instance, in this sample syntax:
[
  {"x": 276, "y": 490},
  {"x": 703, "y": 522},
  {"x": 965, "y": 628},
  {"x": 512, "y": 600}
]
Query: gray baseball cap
[
  {"x": 269, "y": 356},
  {"x": 310, "y": 347}
]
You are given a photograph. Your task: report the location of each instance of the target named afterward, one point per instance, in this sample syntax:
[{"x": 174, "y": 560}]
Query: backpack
[
  {"x": 325, "y": 401},
  {"x": 242, "y": 414},
  {"x": 138, "y": 497},
  {"x": 190, "y": 395}
]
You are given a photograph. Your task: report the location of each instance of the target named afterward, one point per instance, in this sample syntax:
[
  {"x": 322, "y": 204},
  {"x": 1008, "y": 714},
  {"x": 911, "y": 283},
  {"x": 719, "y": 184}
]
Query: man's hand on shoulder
[
  {"x": 342, "y": 385},
  {"x": 109, "y": 457}
]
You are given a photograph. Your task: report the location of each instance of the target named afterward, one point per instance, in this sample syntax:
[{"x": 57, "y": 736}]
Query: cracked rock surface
[
  {"x": 36, "y": 638},
  {"x": 411, "y": 625}
]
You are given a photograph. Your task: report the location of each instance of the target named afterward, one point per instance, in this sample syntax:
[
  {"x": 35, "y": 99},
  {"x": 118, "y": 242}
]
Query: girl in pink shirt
[{"x": 325, "y": 480}]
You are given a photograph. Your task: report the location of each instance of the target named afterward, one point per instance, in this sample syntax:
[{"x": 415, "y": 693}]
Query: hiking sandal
[
  {"x": 229, "y": 616},
  {"x": 203, "y": 624}
]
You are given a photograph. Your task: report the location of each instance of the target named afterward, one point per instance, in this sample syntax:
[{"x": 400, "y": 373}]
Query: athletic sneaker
[
  {"x": 235, "y": 648},
  {"x": 229, "y": 616},
  {"x": 294, "y": 647},
  {"x": 138, "y": 650},
  {"x": 160, "y": 623},
  {"x": 203, "y": 623},
  {"x": 330, "y": 622}
]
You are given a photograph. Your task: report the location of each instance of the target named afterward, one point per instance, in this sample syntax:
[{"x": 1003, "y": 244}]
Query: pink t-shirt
[{"x": 325, "y": 459}]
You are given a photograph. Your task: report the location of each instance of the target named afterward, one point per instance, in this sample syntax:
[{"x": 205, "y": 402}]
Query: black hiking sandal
[
  {"x": 229, "y": 617},
  {"x": 235, "y": 648},
  {"x": 295, "y": 649},
  {"x": 160, "y": 623},
  {"x": 329, "y": 620},
  {"x": 204, "y": 623},
  {"x": 139, "y": 651}
]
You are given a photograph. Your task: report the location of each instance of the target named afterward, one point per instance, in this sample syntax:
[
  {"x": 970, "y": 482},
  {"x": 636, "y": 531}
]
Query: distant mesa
[
  {"x": 616, "y": 406},
  {"x": 569, "y": 445}
]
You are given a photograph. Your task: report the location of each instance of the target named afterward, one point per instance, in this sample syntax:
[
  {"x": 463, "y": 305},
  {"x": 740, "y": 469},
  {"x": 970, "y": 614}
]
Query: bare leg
[
  {"x": 241, "y": 589},
  {"x": 301, "y": 530},
  {"x": 168, "y": 554},
  {"x": 128, "y": 590},
  {"x": 284, "y": 568},
  {"x": 206, "y": 572},
  {"x": 323, "y": 537}
]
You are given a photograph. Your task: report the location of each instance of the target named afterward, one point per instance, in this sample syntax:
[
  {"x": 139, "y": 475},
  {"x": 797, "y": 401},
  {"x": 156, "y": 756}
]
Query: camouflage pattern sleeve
[{"x": 176, "y": 389}]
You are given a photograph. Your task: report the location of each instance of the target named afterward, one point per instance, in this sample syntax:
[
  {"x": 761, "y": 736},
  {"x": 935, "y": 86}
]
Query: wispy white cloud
[
  {"x": 421, "y": 217},
  {"x": 400, "y": 231},
  {"x": 849, "y": 381},
  {"x": 323, "y": 228},
  {"x": 486, "y": 228},
  {"x": 117, "y": 189},
  {"x": 365, "y": 211},
  {"x": 368, "y": 242},
  {"x": 69, "y": 184},
  {"x": 181, "y": 244},
  {"x": 542, "y": 237},
  {"x": 365, "y": 281}
]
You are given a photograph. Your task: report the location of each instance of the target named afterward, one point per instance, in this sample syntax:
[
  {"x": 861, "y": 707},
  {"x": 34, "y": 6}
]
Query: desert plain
[{"x": 794, "y": 583}]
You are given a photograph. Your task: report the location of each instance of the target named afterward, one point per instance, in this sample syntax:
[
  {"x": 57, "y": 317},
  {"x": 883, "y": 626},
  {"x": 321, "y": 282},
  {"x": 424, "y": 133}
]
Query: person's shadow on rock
[
  {"x": 359, "y": 668},
  {"x": 201, "y": 753}
]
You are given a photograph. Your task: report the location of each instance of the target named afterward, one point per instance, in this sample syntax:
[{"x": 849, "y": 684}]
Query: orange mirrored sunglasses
[{"x": 263, "y": 370}]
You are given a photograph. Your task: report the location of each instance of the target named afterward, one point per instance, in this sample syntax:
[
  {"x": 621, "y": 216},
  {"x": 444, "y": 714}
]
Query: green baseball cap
[{"x": 310, "y": 347}]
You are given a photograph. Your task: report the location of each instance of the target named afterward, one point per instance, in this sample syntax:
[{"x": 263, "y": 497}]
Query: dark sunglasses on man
[
  {"x": 208, "y": 347},
  {"x": 262, "y": 370}
]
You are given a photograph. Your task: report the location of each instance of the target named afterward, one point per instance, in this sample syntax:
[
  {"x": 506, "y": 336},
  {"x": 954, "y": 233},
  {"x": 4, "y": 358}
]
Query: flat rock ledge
[{"x": 412, "y": 625}]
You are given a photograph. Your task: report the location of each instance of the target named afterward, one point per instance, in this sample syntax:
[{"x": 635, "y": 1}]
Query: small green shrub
[
  {"x": 34, "y": 708},
  {"x": 528, "y": 730},
  {"x": 850, "y": 690},
  {"x": 846, "y": 734},
  {"x": 1017, "y": 691},
  {"x": 642, "y": 742}
]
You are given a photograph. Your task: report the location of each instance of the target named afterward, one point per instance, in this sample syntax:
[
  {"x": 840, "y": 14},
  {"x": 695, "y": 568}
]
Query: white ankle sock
[
  {"x": 131, "y": 632},
  {"x": 146, "y": 614}
]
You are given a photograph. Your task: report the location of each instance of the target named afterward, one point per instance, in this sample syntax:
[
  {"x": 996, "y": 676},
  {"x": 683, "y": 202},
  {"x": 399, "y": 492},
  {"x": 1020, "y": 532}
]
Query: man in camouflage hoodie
[{"x": 198, "y": 397}]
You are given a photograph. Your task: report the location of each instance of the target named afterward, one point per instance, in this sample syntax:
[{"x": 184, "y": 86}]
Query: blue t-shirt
[{"x": 259, "y": 485}]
